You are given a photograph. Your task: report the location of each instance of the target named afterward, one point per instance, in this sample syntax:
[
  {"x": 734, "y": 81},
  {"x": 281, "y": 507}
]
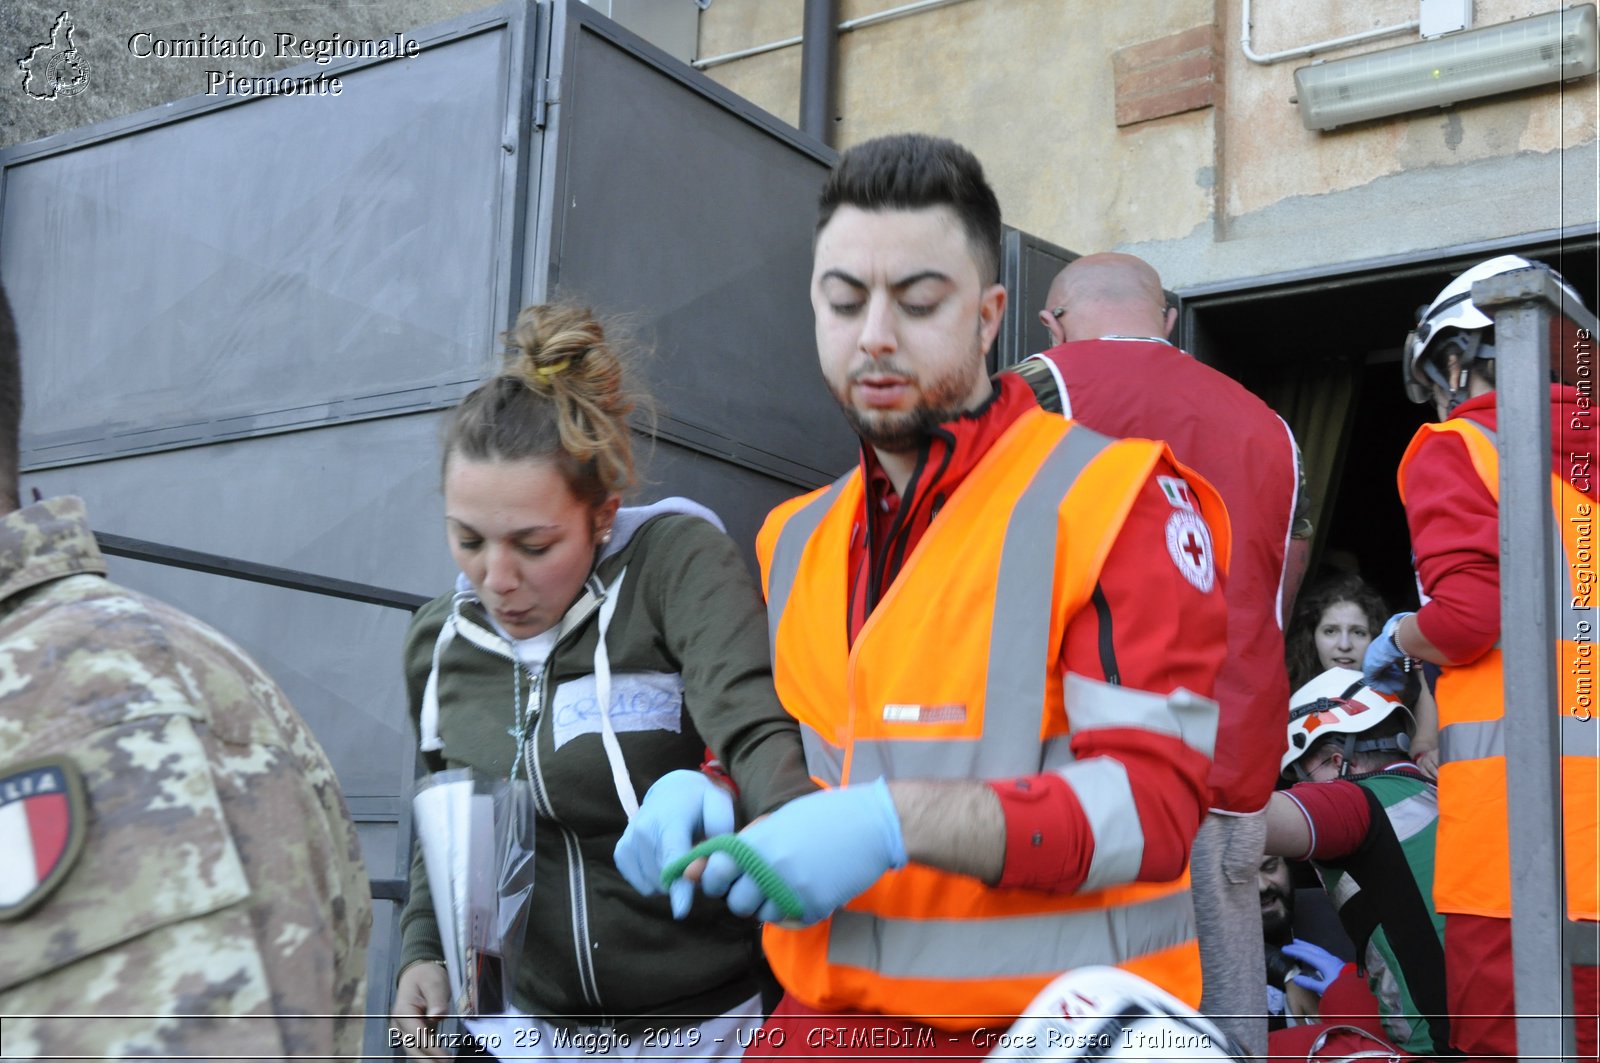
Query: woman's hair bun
[
  {"x": 563, "y": 395},
  {"x": 551, "y": 339}
]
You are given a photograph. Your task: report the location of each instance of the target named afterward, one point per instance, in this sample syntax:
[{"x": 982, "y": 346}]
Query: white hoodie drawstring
[
  {"x": 602, "y": 693},
  {"x": 428, "y": 725}
]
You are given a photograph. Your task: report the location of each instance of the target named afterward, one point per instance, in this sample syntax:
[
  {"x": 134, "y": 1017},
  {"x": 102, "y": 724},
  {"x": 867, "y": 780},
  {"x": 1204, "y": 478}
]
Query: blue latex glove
[
  {"x": 1326, "y": 965},
  {"x": 827, "y": 846},
  {"x": 681, "y": 808},
  {"x": 1384, "y": 666}
]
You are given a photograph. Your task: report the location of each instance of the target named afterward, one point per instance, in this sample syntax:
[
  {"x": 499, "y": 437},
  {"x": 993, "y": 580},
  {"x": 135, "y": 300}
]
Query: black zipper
[
  {"x": 577, "y": 886},
  {"x": 576, "y": 882},
  {"x": 899, "y": 528},
  {"x": 1108, "y": 643}
]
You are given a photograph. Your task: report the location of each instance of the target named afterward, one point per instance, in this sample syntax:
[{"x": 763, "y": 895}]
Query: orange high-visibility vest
[
  {"x": 1472, "y": 873},
  {"x": 956, "y": 675}
]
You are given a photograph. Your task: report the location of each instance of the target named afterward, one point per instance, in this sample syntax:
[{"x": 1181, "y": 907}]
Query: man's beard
[
  {"x": 903, "y": 431},
  {"x": 897, "y": 431},
  {"x": 1278, "y": 926}
]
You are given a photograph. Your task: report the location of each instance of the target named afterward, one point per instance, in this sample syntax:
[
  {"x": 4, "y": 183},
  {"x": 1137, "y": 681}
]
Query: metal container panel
[
  {"x": 1027, "y": 266},
  {"x": 690, "y": 212},
  {"x": 358, "y": 501},
  {"x": 173, "y": 285}
]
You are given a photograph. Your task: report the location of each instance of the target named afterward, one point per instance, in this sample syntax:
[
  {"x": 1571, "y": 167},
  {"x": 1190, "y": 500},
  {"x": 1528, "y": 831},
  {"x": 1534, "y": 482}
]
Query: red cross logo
[{"x": 1189, "y": 545}]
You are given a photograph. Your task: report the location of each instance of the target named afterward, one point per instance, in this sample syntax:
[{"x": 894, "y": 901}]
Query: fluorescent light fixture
[{"x": 1520, "y": 54}]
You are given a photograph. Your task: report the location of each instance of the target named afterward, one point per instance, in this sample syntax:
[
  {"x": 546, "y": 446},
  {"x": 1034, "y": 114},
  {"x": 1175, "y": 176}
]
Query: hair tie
[{"x": 553, "y": 368}]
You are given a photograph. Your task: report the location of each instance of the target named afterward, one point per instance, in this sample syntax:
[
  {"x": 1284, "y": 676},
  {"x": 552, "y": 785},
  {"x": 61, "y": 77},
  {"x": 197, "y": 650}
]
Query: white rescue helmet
[
  {"x": 1453, "y": 321},
  {"x": 1337, "y": 702},
  {"x": 1109, "y": 1013}
]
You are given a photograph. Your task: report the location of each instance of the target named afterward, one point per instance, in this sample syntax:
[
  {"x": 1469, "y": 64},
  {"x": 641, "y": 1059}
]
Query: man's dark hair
[
  {"x": 913, "y": 171},
  {"x": 10, "y": 404}
]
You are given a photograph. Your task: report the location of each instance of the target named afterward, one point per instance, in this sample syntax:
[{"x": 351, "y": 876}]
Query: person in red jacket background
[
  {"x": 1449, "y": 482},
  {"x": 1114, "y": 370}
]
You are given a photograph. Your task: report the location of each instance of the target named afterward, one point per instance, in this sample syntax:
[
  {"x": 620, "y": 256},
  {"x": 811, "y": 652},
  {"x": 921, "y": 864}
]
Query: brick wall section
[{"x": 1165, "y": 76}]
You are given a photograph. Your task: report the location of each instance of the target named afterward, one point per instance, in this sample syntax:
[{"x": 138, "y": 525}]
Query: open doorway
[{"x": 1324, "y": 351}]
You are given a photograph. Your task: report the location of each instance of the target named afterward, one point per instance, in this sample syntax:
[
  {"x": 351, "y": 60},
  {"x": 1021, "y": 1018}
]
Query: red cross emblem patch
[
  {"x": 1189, "y": 543},
  {"x": 43, "y": 817}
]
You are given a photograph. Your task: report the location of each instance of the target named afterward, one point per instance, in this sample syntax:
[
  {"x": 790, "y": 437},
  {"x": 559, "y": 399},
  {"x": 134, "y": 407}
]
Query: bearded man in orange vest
[
  {"x": 999, "y": 633},
  {"x": 1450, "y": 484}
]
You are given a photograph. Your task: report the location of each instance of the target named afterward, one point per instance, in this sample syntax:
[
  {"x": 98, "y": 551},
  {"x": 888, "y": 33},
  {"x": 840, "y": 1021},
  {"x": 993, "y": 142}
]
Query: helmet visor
[{"x": 1411, "y": 373}]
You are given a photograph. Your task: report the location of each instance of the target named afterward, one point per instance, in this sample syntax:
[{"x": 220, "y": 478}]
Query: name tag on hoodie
[{"x": 640, "y": 701}]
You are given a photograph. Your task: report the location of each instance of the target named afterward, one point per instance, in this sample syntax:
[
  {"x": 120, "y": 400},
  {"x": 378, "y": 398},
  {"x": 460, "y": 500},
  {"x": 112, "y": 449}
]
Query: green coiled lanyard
[{"x": 750, "y": 862}]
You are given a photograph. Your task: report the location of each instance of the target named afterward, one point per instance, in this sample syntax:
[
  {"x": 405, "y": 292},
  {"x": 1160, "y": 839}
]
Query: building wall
[{"x": 1232, "y": 190}]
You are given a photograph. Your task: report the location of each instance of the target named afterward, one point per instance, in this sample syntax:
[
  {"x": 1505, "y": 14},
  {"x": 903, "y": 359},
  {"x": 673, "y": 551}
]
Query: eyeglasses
[
  {"x": 1057, "y": 311},
  {"x": 1307, "y": 774}
]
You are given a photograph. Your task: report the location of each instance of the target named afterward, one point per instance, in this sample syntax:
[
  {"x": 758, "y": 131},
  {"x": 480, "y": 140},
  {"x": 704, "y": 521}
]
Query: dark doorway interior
[
  {"x": 1365, "y": 522},
  {"x": 1325, "y": 353}
]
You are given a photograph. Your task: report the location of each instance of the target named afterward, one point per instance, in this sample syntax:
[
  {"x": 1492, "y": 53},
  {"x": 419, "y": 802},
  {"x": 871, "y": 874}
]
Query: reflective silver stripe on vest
[
  {"x": 1015, "y": 946},
  {"x": 823, "y": 759},
  {"x": 1412, "y": 815},
  {"x": 1481, "y": 739},
  {"x": 1568, "y": 615},
  {"x": 1183, "y": 714},
  {"x": 788, "y": 551},
  {"x": 1107, "y": 798},
  {"x": 1018, "y": 668},
  {"x": 1057, "y": 753}
]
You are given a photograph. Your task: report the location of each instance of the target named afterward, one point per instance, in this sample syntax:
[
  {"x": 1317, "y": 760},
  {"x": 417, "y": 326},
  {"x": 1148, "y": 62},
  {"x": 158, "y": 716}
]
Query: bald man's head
[{"x": 1109, "y": 294}]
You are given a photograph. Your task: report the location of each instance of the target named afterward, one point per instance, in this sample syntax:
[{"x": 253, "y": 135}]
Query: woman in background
[{"x": 1332, "y": 626}]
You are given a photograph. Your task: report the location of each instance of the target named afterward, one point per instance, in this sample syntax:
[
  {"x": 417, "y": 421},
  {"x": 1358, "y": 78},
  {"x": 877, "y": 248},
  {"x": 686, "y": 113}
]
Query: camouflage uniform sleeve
[
  {"x": 220, "y": 875},
  {"x": 332, "y": 881}
]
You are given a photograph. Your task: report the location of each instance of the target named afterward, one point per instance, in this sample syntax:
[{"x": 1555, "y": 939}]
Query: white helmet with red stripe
[
  {"x": 1109, "y": 1013},
  {"x": 1337, "y": 702}
]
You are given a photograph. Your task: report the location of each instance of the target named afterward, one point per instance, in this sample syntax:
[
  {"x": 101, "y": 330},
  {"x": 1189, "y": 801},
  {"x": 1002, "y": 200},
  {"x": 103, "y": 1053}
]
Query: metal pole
[
  {"x": 848, "y": 24},
  {"x": 819, "y": 63},
  {"x": 1520, "y": 304},
  {"x": 255, "y": 572}
]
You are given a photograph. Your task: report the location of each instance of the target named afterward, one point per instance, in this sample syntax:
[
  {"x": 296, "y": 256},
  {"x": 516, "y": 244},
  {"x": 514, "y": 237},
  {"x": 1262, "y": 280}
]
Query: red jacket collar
[{"x": 894, "y": 525}]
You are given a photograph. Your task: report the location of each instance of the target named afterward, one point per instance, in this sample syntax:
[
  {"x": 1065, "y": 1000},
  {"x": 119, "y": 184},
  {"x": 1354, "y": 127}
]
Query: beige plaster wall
[
  {"x": 771, "y": 80},
  {"x": 1026, "y": 84},
  {"x": 1269, "y": 156},
  {"x": 1231, "y": 192}
]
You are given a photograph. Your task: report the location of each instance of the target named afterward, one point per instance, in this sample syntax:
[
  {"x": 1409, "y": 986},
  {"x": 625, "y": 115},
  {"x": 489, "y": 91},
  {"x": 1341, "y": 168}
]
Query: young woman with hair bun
[{"x": 562, "y": 593}]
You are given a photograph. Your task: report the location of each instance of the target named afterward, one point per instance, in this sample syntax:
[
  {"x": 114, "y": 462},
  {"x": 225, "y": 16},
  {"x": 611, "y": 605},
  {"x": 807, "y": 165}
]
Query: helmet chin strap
[
  {"x": 1354, "y": 744},
  {"x": 1468, "y": 348}
]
